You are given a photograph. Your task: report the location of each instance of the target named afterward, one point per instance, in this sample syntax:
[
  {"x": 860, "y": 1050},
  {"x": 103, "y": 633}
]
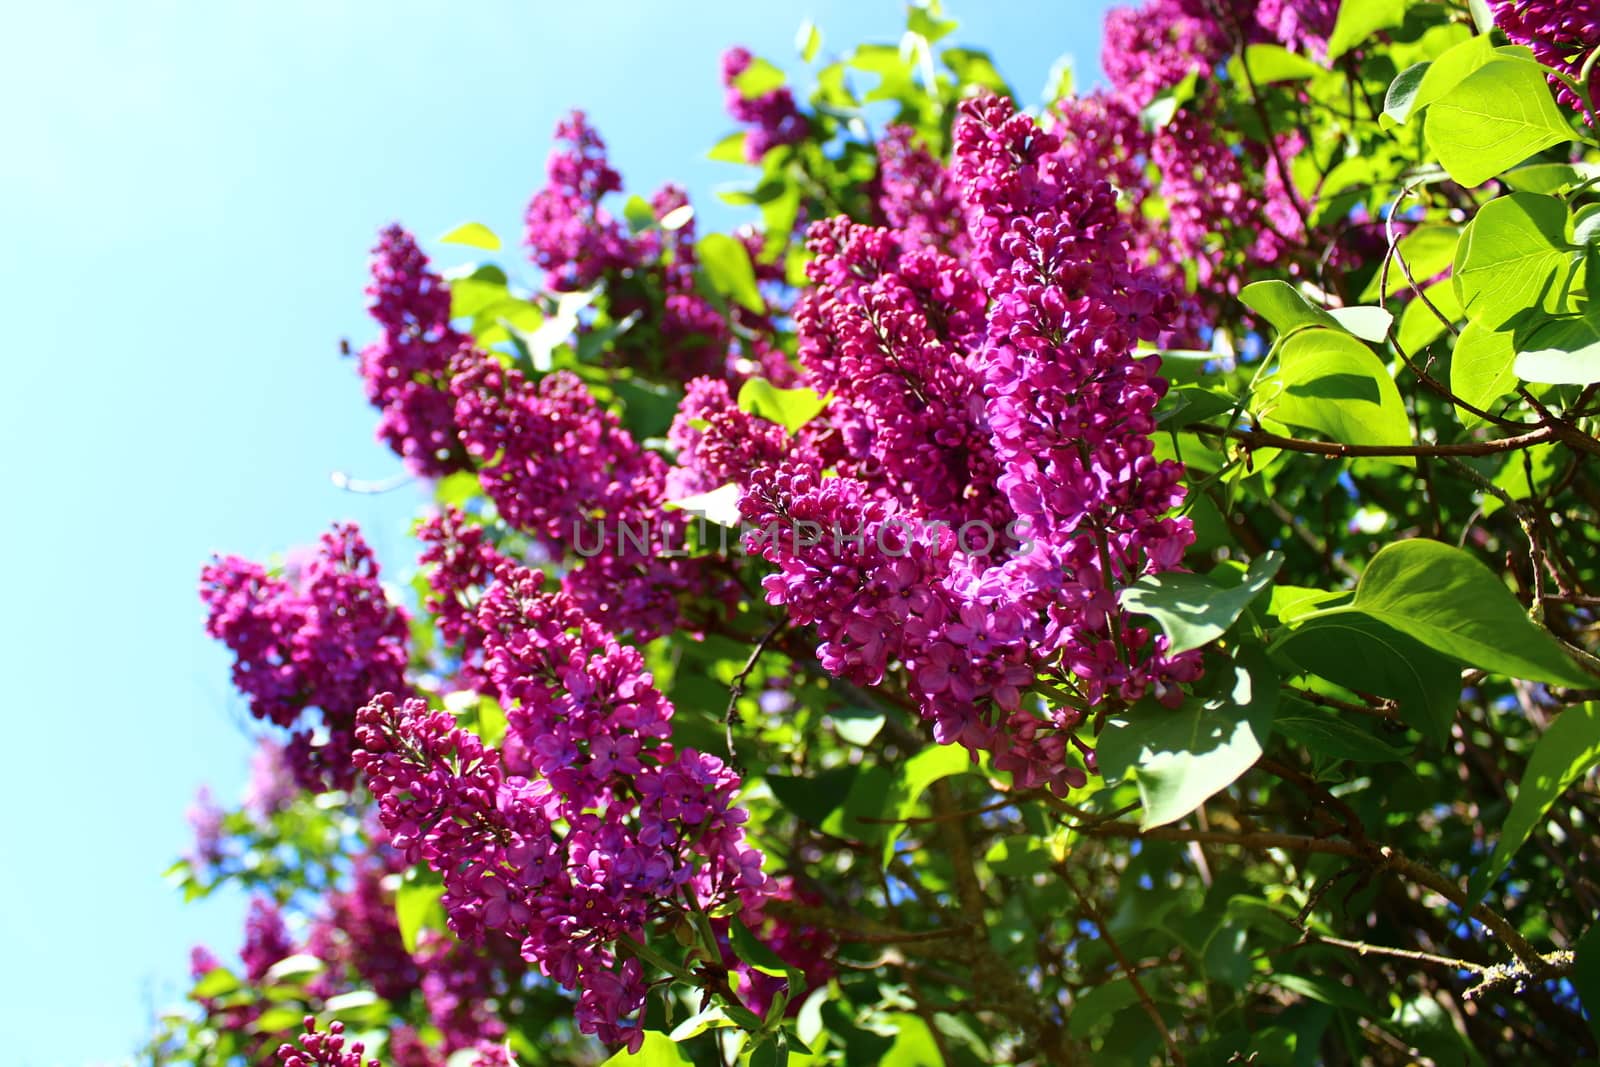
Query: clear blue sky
[{"x": 187, "y": 195}]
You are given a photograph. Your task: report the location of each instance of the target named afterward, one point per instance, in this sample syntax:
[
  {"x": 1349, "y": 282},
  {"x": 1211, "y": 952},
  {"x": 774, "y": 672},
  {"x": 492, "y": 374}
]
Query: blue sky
[{"x": 187, "y": 195}]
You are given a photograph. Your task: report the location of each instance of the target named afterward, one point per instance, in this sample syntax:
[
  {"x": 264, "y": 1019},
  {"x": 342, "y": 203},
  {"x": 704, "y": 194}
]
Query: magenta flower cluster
[
  {"x": 554, "y": 461},
  {"x": 407, "y": 368},
  {"x": 1000, "y": 394},
  {"x": 569, "y": 232},
  {"x": 649, "y": 276},
  {"x": 322, "y": 634},
  {"x": 916, "y": 197},
  {"x": 770, "y": 115},
  {"x": 1562, "y": 33},
  {"x": 1229, "y": 205},
  {"x": 586, "y": 827},
  {"x": 324, "y": 1049}
]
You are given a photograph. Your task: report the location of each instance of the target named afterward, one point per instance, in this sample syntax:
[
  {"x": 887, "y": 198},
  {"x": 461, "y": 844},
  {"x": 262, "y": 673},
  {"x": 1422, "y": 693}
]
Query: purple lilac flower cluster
[
  {"x": 406, "y": 368},
  {"x": 1020, "y": 372},
  {"x": 568, "y": 230},
  {"x": 715, "y": 442},
  {"x": 554, "y": 461},
  {"x": 357, "y": 935},
  {"x": 1562, "y": 33},
  {"x": 322, "y": 635},
  {"x": 324, "y": 1049},
  {"x": 266, "y": 939},
  {"x": 649, "y": 276},
  {"x": 587, "y": 825},
  {"x": 771, "y": 115},
  {"x": 1227, "y": 207},
  {"x": 915, "y": 195},
  {"x": 886, "y": 332},
  {"x": 1071, "y": 408}
]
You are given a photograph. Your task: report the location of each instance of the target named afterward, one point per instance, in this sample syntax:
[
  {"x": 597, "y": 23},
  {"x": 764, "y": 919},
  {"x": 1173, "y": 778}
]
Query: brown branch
[
  {"x": 736, "y": 690},
  {"x": 1379, "y": 856},
  {"x": 1258, "y": 438},
  {"x": 1173, "y": 1051}
]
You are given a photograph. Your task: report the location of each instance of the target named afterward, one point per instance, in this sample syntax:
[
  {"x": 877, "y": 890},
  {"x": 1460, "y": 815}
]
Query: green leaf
[
  {"x": 1270, "y": 63},
  {"x": 1480, "y": 368},
  {"x": 1332, "y": 383},
  {"x": 1359, "y": 19},
  {"x": 926, "y": 23},
  {"x": 1324, "y": 991},
  {"x": 814, "y": 797},
  {"x": 1564, "y": 351},
  {"x": 857, "y": 726},
  {"x": 1497, "y": 117},
  {"x": 1550, "y": 178},
  {"x": 1401, "y": 99},
  {"x": 1179, "y": 759},
  {"x": 974, "y": 67},
  {"x": 1509, "y": 257},
  {"x": 808, "y": 41},
  {"x": 639, "y": 214},
  {"x": 470, "y": 293},
  {"x": 758, "y": 79},
  {"x": 1282, "y": 305},
  {"x": 1524, "y": 473},
  {"x": 1586, "y": 975},
  {"x": 1442, "y": 596},
  {"x": 360, "y": 1006},
  {"x": 1368, "y": 323},
  {"x": 728, "y": 150},
  {"x": 215, "y": 983},
  {"x": 1099, "y": 1004},
  {"x": 868, "y": 797},
  {"x": 1291, "y": 602},
  {"x": 1193, "y": 610},
  {"x": 727, "y": 267},
  {"x": 914, "y": 1044},
  {"x": 658, "y": 1050},
  {"x": 914, "y": 778},
  {"x": 475, "y": 234},
  {"x": 294, "y": 969},
  {"x": 709, "y": 1018},
  {"x": 720, "y": 505},
  {"x": 1566, "y": 751},
  {"x": 1193, "y": 403},
  {"x": 1364, "y": 654},
  {"x": 1451, "y": 68},
  {"x": 789, "y": 408},
  {"x": 1328, "y": 735},
  {"x": 417, "y": 907},
  {"x": 279, "y": 1020},
  {"x": 1019, "y": 855}
]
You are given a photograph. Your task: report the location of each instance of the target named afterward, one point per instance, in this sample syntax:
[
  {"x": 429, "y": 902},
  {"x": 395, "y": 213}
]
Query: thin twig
[
  {"x": 736, "y": 689},
  {"x": 1173, "y": 1051},
  {"x": 1258, "y": 438}
]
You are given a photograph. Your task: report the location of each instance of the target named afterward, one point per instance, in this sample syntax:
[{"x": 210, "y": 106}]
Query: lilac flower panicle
[
  {"x": 554, "y": 462},
  {"x": 406, "y": 368},
  {"x": 324, "y": 637},
  {"x": 568, "y": 231},
  {"x": 266, "y": 939},
  {"x": 1562, "y": 33},
  {"x": 324, "y": 1049},
  {"x": 771, "y": 116},
  {"x": 572, "y": 838}
]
